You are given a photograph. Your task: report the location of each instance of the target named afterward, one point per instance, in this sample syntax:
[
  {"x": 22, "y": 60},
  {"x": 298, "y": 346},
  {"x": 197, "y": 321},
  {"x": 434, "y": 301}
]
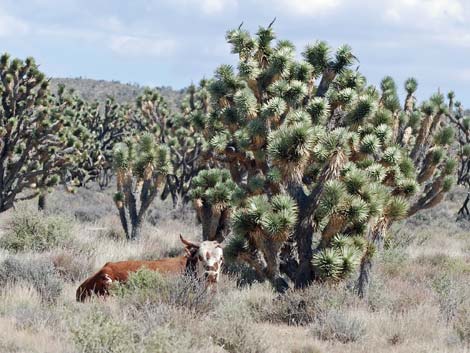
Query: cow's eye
[{"x": 200, "y": 258}]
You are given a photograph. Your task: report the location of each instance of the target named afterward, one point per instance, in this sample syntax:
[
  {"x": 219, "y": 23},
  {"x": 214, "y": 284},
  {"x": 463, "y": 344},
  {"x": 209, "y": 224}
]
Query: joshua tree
[
  {"x": 180, "y": 135},
  {"x": 213, "y": 192},
  {"x": 141, "y": 167},
  {"x": 461, "y": 122},
  {"x": 36, "y": 142},
  {"x": 105, "y": 125},
  {"x": 152, "y": 114},
  {"x": 324, "y": 162},
  {"x": 187, "y": 148}
]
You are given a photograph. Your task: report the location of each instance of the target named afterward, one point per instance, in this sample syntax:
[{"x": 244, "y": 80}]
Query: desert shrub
[
  {"x": 377, "y": 297},
  {"x": 306, "y": 349},
  {"x": 294, "y": 308},
  {"x": 39, "y": 273},
  {"x": 165, "y": 328},
  {"x": 393, "y": 260},
  {"x": 33, "y": 317},
  {"x": 150, "y": 287},
  {"x": 150, "y": 317},
  {"x": 236, "y": 333},
  {"x": 85, "y": 204},
  {"x": 232, "y": 322},
  {"x": 243, "y": 274},
  {"x": 301, "y": 307},
  {"x": 462, "y": 322},
  {"x": 110, "y": 227},
  {"x": 155, "y": 249},
  {"x": 452, "y": 294},
  {"x": 442, "y": 263},
  {"x": 255, "y": 301},
  {"x": 338, "y": 326},
  {"x": 29, "y": 229},
  {"x": 71, "y": 266},
  {"x": 99, "y": 332},
  {"x": 165, "y": 340}
]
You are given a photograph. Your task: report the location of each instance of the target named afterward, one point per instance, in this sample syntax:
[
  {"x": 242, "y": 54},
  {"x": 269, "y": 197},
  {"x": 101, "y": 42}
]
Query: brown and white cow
[
  {"x": 210, "y": 257},
  {"x": 204, "y": 259}
]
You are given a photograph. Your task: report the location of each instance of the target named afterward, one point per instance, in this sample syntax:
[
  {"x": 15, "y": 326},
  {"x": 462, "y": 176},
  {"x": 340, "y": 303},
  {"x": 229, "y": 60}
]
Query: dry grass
[{"x": 419, "y": 299}]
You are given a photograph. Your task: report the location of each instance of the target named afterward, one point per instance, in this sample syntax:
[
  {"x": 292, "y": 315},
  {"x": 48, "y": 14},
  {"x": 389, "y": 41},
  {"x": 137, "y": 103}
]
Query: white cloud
[
  {"x": 208, "y": 7},
  {"x": 456, "y": 38},
  {"x": 211, "y": 7},
  {"x": 424, "y": 11},
  {"x": 10, "y": 25},
  {"x": 306, "y": 7},
  {"x": 134, "y": 46}
]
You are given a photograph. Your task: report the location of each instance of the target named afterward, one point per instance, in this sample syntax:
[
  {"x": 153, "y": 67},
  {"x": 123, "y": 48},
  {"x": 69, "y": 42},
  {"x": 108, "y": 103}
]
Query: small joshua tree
[
  {"x": 176, "y": 130},
  {"x": 187, "y": 147},
  {"x": 213, "y": 193},
  {"x": 37, "y": 145},
  {"x": 152, "y": 114},
  {"x": 325, "y": 163},
  {"x": 141, "y": 167}
]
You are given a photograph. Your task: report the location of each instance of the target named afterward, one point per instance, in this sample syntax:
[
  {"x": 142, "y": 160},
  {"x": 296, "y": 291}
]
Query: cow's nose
[
  {"x": 214, "y": 267},
  {"x": 210, "y": 277}
]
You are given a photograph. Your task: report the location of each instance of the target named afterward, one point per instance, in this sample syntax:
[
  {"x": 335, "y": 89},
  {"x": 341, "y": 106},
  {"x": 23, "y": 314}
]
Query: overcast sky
[{"x": 175, "y": 42}]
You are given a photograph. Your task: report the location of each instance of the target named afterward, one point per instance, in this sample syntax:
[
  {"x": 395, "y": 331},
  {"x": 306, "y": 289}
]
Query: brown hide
[{"x": 119, "y": 271}]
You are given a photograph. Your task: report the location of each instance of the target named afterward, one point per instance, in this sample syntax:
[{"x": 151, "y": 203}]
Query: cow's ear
[{"x": 187, "y": 252}]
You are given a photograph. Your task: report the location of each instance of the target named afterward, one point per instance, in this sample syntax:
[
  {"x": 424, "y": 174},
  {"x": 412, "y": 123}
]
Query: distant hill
[{"x": 90, "y": 89}]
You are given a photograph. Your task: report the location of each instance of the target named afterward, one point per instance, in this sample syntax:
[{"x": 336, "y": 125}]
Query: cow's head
[{"x": 209, "y": 255}]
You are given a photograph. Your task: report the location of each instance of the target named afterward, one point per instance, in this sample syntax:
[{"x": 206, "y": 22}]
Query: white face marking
[
  {"x": 211, "y": 256},
  {"x": 107, "y": 279}
]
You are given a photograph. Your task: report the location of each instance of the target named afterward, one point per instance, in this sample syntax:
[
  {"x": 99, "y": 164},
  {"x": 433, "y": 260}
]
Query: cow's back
[{"x": 119, "y": 271}]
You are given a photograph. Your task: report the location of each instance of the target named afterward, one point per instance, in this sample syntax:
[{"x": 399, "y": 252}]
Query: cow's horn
[{"x": 188, "y": 243}]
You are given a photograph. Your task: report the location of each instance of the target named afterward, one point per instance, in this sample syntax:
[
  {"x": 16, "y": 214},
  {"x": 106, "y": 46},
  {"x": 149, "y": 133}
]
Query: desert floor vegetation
[{"x": 418, "y": 300}]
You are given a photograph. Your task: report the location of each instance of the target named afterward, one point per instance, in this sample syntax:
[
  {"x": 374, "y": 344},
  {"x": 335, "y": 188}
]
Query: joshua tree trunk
[
  {"x": 123, "y": 218},
  {"x": 304, "y": 234},
  {"x": 214, "y": 223},
  {"x": 363, "y": 281},
  {"x": 136, "y": 229},
  {"x": 375, "y": 238},
  {"x": 464, "y": 212},
  {"x": 42, "y": 201}
]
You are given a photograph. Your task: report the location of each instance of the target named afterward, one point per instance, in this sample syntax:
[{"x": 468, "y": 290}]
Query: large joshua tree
[
  {"x": 37, "y": 144},
  {"x": 324, "y": 162},
  {"x": 141, "y": 167}
]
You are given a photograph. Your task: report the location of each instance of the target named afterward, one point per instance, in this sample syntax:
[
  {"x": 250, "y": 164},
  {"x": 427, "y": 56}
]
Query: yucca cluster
[
  {"x": 141, "y": 166},
  {"x": 300, "y": 166},
  {"x": 161, "y": 158},
  {"x": 101, "y": 126},
  {"x": 37, "y": 142},
  {"x": 320, "y": 162}
]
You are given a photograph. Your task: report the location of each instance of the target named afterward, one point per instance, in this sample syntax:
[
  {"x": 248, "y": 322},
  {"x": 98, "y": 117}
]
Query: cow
[{"x": 204, "y": 259}]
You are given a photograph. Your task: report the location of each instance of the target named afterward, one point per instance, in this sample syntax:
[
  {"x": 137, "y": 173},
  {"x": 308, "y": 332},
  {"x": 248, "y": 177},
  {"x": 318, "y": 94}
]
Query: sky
[{"x": 176, "y": 42}]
